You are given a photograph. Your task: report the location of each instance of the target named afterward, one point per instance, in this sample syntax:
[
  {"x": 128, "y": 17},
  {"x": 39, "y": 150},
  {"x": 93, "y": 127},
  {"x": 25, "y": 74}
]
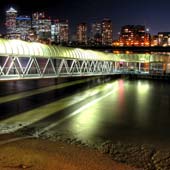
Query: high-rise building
[
  {"x": 107, "y": 32},
  {"x": 134, "y": 35},
  {"x": 96, "y": 33},
  {"x": 55, "y": 33},
  {"x": 23, "y": 26},
  {"x": 60, "y": 31},
  {"x": 10, "y": 23},
  {"x": 42, "y": 26},
  {"x": 82, "y": 33}
]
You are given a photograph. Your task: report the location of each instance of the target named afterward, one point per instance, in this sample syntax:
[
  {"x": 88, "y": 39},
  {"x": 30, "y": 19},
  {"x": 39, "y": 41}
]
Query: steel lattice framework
[{"x": 20, "y": 59}]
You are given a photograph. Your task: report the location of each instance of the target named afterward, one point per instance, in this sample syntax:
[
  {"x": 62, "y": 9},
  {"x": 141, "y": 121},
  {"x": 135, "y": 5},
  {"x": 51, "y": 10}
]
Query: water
[
  {"x": 128, "y": 111},
  {"x": 93, "y": 110}
]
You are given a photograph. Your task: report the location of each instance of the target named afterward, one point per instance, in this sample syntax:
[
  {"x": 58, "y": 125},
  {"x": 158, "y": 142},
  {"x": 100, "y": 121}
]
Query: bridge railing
[{"x": 13, "y": 67}]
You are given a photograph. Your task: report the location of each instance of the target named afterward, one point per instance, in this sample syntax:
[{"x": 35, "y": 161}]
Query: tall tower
[
  {"x": 10, "y": 23},
  {"x": 60, "y": 31},
  {"x": 96, "y": 33},
  {"x": 107, "y": 32},
  {"x": 64, "y": 31},
  {"x": 23, "y": 26},
  {"x": 82, "y": 33},
  {"x": 42, "y": 25}
]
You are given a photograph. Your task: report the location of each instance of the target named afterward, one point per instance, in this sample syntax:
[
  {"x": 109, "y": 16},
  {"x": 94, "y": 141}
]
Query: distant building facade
[
  {"x": 42, "y": 26},
  {"x": 23, "y": 27},
  {"x": 134, "y": 35},
  {"x": 107, "y": 32},
  {"x": 10, "y": 23},
  {"x": 163, "y": 38},
  {"x": 60, "y": 31},
  {"x": 96, "y": 33},
  {"x": 82, "y": 33},
  {"x": 154, "y": 40}
]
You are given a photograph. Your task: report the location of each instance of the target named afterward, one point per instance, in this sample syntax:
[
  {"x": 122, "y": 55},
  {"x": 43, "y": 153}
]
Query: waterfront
[
  {"x": 131, "y": 114},
  {"x": 91, "y": 110}
]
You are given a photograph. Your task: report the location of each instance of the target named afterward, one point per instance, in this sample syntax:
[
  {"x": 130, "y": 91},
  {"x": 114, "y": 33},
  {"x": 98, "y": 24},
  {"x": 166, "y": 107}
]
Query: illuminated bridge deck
[{"x": 23, "y": 60}]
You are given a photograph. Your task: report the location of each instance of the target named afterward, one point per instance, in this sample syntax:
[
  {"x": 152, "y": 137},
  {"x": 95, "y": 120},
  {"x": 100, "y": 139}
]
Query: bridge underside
[{"x": 26, "y": 67}]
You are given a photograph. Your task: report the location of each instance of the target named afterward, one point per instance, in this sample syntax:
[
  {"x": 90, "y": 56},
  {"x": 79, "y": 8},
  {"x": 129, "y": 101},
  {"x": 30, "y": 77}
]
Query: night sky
[{"x": 154, "y": 14}]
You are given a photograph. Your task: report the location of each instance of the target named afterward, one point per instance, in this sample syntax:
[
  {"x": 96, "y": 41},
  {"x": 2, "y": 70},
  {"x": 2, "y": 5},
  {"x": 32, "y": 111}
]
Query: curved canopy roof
[{"x": 33, "y": 49}]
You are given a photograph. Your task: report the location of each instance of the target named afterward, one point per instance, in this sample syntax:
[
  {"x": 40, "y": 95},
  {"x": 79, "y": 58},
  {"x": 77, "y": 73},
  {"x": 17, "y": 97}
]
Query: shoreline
[
  {"x": 42, "y": 154},
  {"x": 120, "y": 154}
]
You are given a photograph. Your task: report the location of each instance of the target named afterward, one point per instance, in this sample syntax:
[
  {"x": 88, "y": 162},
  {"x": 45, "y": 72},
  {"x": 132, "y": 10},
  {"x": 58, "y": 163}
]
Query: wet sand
[{"x": 38, "y": 154}]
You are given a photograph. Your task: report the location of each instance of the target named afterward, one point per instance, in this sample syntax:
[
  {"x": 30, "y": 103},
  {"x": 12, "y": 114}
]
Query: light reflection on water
[
  {"x": 133, "y": 111},
  {"x": 90, "y": 115},
  {"x": 142, "y": 100},
  {"x": 118, "y": 110}
]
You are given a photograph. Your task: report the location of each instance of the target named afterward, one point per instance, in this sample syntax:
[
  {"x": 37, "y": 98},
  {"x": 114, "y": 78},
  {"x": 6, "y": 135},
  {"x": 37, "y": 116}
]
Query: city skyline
[{"x": 153, "y": 15}]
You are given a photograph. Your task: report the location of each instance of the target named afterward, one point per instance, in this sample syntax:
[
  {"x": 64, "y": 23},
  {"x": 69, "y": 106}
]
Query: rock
[
  {"x": 105, "y": 147},
  {"x": 24, "y": 166}
]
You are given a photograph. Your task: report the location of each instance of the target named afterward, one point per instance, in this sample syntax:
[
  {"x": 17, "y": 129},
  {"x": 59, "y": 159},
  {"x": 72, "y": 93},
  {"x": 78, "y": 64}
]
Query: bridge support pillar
[
  {"x": 116, "y": 66},
  {"x": 139, "y": 66}
]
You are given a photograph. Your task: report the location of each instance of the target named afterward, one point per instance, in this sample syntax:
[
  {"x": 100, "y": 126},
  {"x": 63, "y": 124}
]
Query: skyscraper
[
  {"x": 42, "y": 26},
  {"x": 10, "y": 23},
  {"x": 96, "y": 33},
  {"x": 107, "y": 32},
  {"x": 82, "y": 33},
  {"x": 60, "y": 31},
  {"x": 23, "y": 26}
]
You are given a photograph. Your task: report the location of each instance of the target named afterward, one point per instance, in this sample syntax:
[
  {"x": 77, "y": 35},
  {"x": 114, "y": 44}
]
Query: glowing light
[
  {"x": 143, "y": 88},
  {"x": 37, "y": 114},
  {"x": 21, "y": 95},
  {"x": 21, "y": 48}
]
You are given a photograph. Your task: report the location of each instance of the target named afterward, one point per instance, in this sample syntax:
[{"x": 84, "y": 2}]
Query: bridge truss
[
  {"x": 16, "y": 67},
  {"x": 20, "y": 60}
]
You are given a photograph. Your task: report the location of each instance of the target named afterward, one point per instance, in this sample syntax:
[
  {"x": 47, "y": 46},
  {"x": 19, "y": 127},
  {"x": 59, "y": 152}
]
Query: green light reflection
[
  {"x": 91, "y": 113},
  {"x": 143, "y": 91}
]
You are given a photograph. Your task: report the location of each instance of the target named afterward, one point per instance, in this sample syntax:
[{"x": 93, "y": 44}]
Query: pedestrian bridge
[{"x": 20, "y": 60}]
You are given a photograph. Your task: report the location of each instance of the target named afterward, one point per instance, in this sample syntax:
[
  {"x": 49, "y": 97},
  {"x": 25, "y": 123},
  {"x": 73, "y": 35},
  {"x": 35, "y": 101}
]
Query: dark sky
[{"x": 155, "y": 14}]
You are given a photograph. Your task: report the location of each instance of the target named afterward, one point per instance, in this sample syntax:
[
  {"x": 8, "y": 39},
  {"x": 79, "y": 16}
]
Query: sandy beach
[{"x": 38, "y": 154}]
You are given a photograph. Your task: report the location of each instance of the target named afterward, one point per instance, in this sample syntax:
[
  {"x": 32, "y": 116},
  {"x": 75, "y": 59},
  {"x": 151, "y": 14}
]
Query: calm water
[
  {"x": 93, "y": 110},
  {"x": 126, "y": 110}
]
